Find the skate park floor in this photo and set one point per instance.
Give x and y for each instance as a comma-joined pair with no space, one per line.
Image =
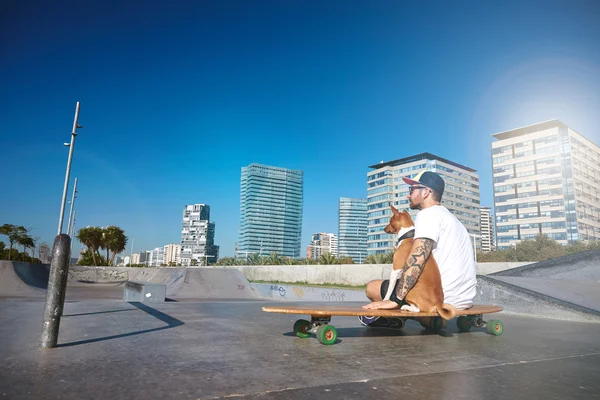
221,349
208,348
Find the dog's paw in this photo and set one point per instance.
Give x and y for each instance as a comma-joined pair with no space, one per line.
411,308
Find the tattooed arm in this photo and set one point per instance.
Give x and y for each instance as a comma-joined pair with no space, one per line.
413,268
415,263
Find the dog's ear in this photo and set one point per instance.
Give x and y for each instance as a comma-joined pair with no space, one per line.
394,210
406,212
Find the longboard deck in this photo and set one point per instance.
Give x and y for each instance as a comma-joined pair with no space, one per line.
334,311
327,334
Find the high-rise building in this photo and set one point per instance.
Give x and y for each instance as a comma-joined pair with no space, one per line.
385,187
546,181
135,258
352,229
144,257
322,243
198,236
172,254
157,256
486,221
271,201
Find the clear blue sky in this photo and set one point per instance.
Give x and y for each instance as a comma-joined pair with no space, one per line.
177,96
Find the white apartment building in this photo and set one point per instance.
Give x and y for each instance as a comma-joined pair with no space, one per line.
385,186
135,258
546,180
198,236
486,222
172,254
322,243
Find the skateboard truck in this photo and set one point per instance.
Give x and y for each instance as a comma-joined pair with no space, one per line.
326,334
493,326
315,322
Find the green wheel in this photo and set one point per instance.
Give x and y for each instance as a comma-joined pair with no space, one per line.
326,334
463,324
495,327
301,328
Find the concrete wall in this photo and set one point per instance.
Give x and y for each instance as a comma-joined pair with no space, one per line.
345,274
285,292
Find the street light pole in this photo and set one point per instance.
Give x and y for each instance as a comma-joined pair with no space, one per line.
72,230
68,173
71,211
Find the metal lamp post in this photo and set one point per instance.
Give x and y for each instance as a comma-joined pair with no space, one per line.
69,232
68,173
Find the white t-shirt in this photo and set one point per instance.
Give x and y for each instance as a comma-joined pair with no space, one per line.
453,252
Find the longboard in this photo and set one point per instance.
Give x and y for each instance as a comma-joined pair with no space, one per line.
327,334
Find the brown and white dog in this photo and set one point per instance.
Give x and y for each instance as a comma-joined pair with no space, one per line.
427,295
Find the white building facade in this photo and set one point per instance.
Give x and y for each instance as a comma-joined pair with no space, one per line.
385,186
546,181
157,257
198,236
322,243
486,221
172,254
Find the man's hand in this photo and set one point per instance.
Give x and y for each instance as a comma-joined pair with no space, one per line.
381,305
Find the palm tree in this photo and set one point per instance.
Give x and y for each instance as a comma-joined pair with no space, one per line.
113,240
327,259
385,258
253,259
91,236
273,259
13,233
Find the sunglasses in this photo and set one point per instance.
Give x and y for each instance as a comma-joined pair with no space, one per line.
410,189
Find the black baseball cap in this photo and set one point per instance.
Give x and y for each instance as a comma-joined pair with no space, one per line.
429,179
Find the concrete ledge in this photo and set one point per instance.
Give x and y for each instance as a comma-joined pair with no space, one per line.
144,292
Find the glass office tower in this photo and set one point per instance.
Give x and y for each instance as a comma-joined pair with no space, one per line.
271,201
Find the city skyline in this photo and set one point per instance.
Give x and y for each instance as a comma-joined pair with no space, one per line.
328,89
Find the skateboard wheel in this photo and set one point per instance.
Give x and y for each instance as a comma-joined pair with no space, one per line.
463,324
438,324
326,334
495,327
301,328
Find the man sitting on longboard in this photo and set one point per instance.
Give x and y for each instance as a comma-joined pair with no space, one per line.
437,232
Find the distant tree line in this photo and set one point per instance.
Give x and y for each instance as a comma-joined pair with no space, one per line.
275,259
18,236
539,249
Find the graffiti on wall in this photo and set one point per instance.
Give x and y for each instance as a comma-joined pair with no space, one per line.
278,289
333,295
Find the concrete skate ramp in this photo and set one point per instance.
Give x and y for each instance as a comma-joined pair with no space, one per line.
543,297
23,279
181,283
580,266
214,283
18,279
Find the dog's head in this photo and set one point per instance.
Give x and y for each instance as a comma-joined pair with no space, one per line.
398,221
